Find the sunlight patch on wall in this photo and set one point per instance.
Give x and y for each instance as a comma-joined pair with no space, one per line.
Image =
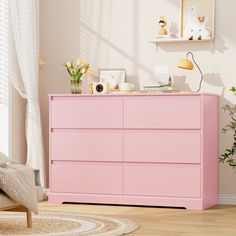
115,34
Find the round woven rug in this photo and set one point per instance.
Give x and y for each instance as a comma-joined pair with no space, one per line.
65,224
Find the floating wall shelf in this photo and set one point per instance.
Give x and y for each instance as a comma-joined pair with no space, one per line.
158,41
202,9
177,40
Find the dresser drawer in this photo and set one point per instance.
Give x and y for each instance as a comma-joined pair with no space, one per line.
69,177
86,145
162,180
164,112
86,113
169,146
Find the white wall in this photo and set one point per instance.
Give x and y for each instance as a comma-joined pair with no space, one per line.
114,34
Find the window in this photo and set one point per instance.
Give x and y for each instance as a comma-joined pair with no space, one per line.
4,76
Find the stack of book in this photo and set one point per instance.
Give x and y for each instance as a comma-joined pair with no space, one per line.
167,85
153,88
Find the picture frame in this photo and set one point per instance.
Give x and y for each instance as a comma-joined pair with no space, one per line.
205,12
114,77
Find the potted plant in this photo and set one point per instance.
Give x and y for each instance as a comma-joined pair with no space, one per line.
76,71
229,152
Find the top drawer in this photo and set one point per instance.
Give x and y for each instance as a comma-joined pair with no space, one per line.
73,112
163,112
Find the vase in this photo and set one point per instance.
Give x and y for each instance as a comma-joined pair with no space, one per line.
76,86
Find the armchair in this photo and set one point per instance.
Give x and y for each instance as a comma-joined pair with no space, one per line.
7,204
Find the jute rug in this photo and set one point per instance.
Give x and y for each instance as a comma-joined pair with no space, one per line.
65,224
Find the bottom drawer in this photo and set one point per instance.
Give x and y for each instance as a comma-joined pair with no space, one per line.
162,180
76,177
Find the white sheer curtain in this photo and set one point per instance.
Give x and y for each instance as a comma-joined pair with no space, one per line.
24,20
4,76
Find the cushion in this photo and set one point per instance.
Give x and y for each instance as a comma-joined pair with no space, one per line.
3,159
5,201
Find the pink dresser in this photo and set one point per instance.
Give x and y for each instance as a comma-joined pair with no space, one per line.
141,149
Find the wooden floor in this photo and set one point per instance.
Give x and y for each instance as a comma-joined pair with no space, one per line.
218,221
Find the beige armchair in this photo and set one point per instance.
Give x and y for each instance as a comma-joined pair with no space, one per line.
7,204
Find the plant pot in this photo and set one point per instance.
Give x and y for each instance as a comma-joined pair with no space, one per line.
76,86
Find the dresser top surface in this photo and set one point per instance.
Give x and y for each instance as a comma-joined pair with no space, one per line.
133,94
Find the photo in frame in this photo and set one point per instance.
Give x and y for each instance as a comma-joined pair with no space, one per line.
197,19
114,77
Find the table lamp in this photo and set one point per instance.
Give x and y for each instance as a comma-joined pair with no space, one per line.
188,65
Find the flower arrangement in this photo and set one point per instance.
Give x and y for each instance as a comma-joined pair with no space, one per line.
78,68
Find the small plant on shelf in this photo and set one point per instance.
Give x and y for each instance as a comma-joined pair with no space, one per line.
229,155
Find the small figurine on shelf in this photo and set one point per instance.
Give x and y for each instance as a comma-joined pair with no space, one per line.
163,24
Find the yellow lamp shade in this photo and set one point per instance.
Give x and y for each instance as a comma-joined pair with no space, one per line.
185,64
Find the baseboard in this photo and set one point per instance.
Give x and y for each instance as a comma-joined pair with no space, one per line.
222,199
227,199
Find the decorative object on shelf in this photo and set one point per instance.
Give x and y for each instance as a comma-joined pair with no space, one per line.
127,87
162,81
197,19
229,155
90,87
163,24
196,26
100,88
114,77
76,70
162,87
188,65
